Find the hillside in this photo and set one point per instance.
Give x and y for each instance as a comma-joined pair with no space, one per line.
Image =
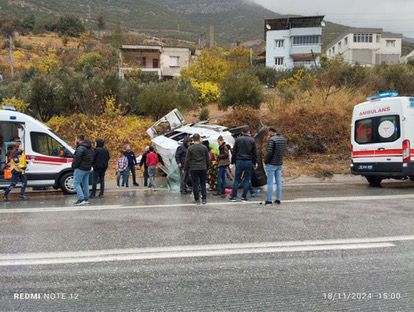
234,20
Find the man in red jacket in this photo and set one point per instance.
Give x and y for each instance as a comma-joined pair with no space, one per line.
152,163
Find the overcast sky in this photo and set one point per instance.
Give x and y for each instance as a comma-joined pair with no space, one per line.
392,15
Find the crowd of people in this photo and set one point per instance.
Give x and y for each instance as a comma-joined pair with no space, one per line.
199,165
196,160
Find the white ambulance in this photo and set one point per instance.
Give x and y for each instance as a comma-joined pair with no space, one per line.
49,157
382,135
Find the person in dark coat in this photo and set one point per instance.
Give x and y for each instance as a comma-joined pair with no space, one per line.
223,164
244,156
132,163
276,148
143,162
100,165
82,165
197,162
180,156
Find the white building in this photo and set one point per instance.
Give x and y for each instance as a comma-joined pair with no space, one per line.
293,42
367,47
167,62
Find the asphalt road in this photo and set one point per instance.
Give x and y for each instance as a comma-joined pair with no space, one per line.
328,247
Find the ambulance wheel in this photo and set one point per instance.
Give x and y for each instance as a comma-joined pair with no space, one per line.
374,181
66,183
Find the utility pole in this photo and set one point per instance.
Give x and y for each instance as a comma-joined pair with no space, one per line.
212,41
11,57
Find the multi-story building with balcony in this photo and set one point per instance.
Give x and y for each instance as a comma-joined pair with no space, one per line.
166,62
367,47
293,41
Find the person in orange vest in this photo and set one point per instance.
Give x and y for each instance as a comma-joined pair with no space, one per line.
18,164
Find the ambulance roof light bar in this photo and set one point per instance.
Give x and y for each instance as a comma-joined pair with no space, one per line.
382,95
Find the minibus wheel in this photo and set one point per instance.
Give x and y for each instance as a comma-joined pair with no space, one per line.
66,183
374,181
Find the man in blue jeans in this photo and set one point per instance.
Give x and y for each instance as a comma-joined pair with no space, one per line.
276,148
244,156
82,164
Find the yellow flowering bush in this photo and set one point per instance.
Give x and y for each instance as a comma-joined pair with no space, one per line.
19,104
207,91
115,129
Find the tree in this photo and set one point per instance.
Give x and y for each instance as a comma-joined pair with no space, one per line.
157,99
241,88
101,22
7,31
69,26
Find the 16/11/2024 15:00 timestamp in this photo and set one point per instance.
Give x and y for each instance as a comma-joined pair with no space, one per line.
349,296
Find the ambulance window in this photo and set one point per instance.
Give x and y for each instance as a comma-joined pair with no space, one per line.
44,144
363,131
388,129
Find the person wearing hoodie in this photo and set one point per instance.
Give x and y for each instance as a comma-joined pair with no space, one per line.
143,162
180,155
82,164
100,165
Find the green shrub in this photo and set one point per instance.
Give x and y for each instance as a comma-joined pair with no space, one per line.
204,114
241,88
157,99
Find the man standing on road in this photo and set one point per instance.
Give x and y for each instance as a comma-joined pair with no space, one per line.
197,162
132,162
180,156
100,165
82,164
245,158
143,162
223,163
274,161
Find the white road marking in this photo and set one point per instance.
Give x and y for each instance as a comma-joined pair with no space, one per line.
197,251
215,204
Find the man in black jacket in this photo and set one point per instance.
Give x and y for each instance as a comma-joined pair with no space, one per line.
143,162
244,156
82,164
100,165
197,162
276,148
180,156
132,162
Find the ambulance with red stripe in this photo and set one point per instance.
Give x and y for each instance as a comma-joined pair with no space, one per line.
49,157
383,138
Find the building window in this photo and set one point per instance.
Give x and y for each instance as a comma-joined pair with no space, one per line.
306,40
378,37
366,38
390,43
279,60
339,45
142,61
174,61
333,50
346,40
279,43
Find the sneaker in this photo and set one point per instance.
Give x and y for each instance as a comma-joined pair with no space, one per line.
196,202
136,184
277,202
92,196
101,195
86,202
204,201
268,203
80,203
233,199
24,197
5,197
244,199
